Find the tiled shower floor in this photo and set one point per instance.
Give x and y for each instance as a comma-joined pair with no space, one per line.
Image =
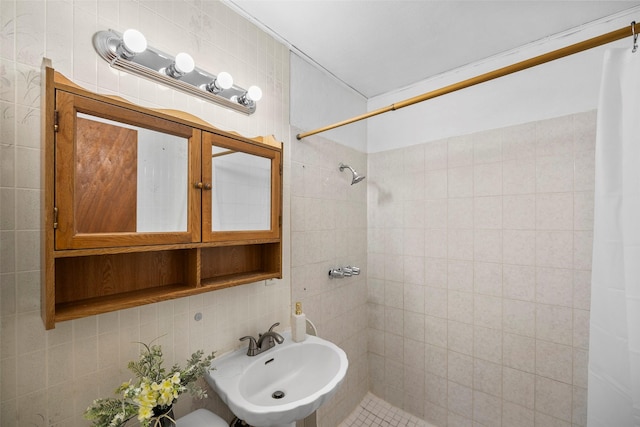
375,412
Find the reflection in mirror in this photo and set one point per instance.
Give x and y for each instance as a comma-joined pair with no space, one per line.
241,198
133,180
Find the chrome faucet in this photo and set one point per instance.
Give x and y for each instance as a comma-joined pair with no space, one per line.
265,341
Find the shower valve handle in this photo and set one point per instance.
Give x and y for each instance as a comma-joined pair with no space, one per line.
336,273
342,272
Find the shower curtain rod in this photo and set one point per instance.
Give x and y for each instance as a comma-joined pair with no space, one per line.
491,75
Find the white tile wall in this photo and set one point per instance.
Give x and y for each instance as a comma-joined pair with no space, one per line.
505,275
49,377
329,230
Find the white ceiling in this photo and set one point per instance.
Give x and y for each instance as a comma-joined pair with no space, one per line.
377,46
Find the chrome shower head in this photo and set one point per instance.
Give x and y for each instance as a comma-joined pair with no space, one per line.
356,178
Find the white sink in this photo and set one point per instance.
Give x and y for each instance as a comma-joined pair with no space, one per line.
282,385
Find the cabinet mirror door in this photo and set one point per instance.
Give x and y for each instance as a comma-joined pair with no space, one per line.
122,177
241,189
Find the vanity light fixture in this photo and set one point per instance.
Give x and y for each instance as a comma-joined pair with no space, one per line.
129,52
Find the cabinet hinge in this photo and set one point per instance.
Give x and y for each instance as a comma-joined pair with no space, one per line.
55,217
280,170
280,220
55,121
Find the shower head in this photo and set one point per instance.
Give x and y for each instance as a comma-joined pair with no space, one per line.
356,178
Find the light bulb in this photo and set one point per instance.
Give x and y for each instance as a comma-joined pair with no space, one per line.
250,97
134,41
131,44
184,63
254,93
220,83
224,80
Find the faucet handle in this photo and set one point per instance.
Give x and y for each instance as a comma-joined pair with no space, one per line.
273,326
252,350
354,270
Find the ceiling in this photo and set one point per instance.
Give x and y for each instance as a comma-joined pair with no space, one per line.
378,46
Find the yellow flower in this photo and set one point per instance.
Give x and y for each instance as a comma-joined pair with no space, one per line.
165,398
176,378
144,413
147,397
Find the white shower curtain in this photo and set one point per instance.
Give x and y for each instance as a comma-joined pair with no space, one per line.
614,348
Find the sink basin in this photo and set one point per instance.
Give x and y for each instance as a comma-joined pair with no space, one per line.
282,385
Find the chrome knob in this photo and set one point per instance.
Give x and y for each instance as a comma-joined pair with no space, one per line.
336,273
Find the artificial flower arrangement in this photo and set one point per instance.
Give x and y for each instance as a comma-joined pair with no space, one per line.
151,396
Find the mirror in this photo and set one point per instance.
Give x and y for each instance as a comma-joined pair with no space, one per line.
241,191
127,178
135,178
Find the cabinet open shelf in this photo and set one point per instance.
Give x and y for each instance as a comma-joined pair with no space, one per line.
95,283
96,276
104,304
220,262
230,280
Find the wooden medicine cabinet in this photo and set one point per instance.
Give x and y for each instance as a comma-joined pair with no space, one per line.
144,205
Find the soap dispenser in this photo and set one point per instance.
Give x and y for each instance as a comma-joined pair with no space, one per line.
298,324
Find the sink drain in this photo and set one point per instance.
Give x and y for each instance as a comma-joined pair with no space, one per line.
278,394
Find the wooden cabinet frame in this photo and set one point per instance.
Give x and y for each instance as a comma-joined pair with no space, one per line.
66,234
211,139
92,273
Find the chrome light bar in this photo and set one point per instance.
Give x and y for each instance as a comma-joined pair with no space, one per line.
153,64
